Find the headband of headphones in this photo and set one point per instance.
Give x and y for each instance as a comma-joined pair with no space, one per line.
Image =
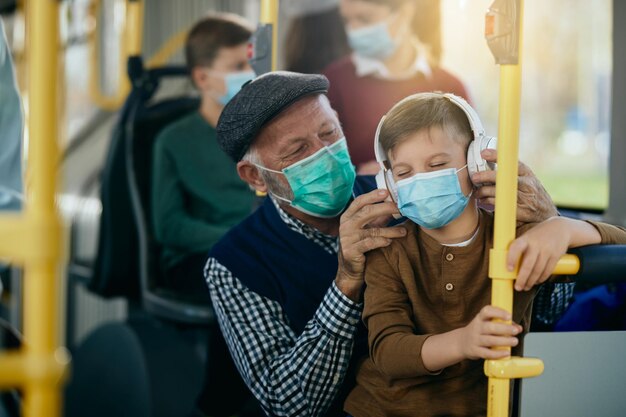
474,121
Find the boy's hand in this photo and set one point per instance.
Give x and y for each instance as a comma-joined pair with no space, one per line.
540,249
481,334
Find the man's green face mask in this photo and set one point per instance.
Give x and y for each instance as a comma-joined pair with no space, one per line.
321,183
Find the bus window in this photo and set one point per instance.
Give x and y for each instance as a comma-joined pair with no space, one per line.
566,89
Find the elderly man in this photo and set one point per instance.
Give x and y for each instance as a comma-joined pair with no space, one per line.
286,283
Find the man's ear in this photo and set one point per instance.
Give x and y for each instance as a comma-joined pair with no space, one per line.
251,175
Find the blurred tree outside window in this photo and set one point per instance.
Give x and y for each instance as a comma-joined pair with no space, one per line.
566,89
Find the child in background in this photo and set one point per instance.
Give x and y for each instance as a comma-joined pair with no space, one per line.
427,295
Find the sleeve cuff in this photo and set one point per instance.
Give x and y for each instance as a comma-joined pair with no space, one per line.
609,234
338,315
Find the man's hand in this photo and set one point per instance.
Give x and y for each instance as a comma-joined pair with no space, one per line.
361,230
533,202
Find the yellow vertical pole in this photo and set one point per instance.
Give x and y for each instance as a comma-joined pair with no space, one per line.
500,372
505,214
41,321
269,15
130,44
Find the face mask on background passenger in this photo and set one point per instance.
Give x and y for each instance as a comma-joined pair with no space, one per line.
374,41
432,199
233,82
321,183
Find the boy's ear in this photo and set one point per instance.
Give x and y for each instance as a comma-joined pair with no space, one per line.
200,77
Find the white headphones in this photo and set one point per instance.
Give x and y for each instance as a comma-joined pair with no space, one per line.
475,163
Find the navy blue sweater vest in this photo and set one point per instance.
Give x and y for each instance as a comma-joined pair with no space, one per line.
280,264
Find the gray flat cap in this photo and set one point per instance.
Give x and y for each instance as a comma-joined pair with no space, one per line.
258,102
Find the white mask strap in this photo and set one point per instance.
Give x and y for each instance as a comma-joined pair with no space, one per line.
267,169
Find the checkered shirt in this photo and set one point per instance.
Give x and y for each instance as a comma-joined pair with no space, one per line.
290,374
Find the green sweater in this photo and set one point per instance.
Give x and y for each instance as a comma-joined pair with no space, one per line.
197,195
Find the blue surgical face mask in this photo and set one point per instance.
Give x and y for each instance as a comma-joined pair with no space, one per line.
321,183
372,41
234,81
432,199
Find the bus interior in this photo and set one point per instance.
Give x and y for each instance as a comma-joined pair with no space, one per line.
132,347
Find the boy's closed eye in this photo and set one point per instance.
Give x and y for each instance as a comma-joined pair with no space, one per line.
438,165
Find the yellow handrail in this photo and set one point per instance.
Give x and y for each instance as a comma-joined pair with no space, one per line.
130,44
169,48
269,15
500,372
33,238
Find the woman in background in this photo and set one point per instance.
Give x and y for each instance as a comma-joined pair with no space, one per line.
389,61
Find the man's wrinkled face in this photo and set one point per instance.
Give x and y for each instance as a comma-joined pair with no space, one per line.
298,132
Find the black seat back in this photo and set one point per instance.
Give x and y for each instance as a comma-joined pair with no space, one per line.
116,270
118,267
147,123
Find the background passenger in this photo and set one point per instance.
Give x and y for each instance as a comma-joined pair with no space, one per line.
196,193
10,131
388,63
315,36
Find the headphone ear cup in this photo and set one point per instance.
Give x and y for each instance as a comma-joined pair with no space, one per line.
380,180
475,162
391,186
384,181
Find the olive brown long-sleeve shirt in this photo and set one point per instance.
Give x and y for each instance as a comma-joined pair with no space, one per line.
415,288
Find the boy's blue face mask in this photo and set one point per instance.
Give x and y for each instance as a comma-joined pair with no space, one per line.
432,199
372,41
234,81
321,183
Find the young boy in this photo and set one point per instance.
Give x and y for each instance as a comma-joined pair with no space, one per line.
427,295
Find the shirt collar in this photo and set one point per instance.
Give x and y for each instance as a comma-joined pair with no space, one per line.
327,242
369,66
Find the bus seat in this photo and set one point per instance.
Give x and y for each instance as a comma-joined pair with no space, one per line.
128,254
583,376
116,268
142,368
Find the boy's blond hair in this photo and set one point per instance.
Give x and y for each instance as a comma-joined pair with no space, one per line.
423,111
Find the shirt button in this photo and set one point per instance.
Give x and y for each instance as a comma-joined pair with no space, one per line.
449,257
449,286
